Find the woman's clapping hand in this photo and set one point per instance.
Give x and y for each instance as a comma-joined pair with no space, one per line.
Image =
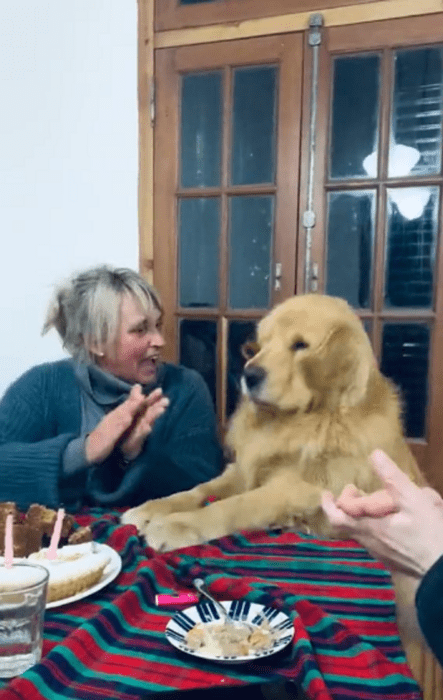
132,421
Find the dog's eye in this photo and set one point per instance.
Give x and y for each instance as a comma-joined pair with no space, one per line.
299,345
249,349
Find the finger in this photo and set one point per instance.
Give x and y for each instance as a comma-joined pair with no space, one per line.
433,496
143,426
136,391
350,491
335,515
397,483
160,404
154,396
149,417
350,499
135,400
377,504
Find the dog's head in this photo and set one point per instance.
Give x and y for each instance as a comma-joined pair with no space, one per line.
311,352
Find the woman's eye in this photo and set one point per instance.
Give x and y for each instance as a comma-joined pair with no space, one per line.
299,345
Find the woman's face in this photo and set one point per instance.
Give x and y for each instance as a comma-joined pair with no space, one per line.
135,356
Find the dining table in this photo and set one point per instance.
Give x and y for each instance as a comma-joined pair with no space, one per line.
112,645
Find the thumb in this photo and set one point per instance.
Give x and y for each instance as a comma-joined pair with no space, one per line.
136,391
135,399
397,483
335,515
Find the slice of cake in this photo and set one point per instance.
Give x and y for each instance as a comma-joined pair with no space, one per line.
44,519
76,568
26,539
82,534
8,508
33,529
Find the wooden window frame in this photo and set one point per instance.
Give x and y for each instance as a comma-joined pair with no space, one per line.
170,64
169,14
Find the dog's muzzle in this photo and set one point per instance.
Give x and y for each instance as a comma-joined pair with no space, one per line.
253,378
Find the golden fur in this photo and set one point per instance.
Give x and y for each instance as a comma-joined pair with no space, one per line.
316,407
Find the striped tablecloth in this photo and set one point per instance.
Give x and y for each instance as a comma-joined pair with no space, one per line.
111,645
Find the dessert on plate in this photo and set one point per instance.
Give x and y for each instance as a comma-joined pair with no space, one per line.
76,568
32,530
78,563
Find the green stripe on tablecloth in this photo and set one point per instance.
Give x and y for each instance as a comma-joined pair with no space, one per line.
226,671
386,681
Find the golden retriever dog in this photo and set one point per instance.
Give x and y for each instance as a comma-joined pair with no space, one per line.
314,407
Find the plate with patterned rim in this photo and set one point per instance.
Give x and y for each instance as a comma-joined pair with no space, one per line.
110,572
205,613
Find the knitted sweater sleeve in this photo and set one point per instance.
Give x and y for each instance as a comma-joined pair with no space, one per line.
33,437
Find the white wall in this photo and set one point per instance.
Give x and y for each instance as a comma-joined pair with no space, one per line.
68,158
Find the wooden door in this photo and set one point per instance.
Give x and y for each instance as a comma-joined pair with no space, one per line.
227,143
377,238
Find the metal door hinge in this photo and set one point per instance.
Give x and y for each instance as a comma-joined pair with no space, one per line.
314,277
277,276
152,101
308,219
315,26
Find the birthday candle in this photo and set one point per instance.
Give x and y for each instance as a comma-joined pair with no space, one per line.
9,552
52,549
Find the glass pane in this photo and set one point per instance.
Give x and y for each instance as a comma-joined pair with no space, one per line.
254,120
351,224
367,325
239,332
198,349
199,226
250,240
410,247
201,130
417,113
355,107
405,356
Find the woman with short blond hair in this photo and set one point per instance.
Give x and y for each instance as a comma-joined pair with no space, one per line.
112,425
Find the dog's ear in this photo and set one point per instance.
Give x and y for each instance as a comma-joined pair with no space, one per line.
340,369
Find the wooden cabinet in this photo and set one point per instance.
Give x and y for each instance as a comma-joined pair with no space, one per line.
231,163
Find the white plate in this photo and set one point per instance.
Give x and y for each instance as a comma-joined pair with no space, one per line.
241,610
112,569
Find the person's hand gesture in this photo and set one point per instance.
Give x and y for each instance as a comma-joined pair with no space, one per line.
135,416
155,404
401,525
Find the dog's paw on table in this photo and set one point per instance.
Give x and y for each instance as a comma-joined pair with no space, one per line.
171,532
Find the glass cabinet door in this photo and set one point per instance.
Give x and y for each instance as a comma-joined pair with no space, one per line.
382,109
228,131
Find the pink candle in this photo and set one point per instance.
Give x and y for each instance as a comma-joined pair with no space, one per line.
9,550
52,549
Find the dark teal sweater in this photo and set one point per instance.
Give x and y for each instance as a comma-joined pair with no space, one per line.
429,602
40,414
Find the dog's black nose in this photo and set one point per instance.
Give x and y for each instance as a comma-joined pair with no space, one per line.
253,376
